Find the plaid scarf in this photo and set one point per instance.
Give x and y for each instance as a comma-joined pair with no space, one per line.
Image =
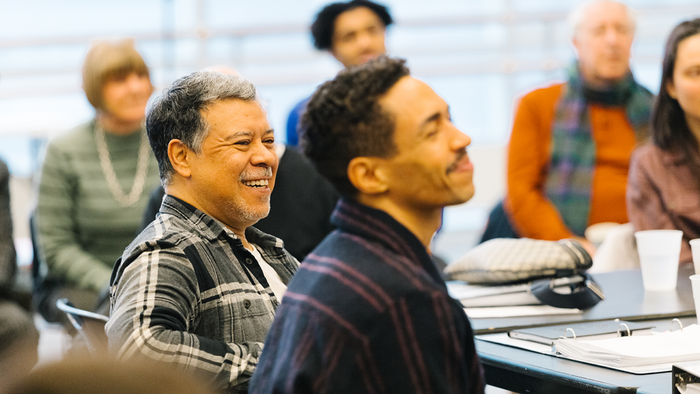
573,156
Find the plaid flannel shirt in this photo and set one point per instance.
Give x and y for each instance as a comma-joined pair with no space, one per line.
187,292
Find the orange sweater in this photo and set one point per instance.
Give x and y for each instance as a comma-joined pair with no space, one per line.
531,212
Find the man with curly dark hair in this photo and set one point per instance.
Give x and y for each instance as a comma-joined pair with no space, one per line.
354,33
368,311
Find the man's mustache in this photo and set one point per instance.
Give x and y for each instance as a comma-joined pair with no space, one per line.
460,156
256,173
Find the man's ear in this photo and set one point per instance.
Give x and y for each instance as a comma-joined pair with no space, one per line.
367,175
575,44
180,155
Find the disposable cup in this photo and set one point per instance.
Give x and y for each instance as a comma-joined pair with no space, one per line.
659,251
695,247
695,280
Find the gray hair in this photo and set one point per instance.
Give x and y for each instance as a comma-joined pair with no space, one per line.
177,113
577,16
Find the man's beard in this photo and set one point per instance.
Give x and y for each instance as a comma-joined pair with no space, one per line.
239,206
241,209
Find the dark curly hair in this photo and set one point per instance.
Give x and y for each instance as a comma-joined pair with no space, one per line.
670,130
344,120
324,25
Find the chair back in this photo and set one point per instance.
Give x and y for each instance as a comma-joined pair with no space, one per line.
89,324
39,270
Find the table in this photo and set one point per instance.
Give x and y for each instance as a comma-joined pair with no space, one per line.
625,298
523,371
529,372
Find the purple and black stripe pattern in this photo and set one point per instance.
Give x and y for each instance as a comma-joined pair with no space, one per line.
368,312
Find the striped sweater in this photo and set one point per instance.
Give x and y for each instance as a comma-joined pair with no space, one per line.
368,312
82,229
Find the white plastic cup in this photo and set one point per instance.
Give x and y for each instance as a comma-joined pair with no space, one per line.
695,280
659,252
695,247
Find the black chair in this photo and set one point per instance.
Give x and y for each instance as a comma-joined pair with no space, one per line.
89,324
498,225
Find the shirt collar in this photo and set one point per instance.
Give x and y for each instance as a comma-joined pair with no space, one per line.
210,228
378,226
671,157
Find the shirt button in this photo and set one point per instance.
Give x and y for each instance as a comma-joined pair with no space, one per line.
249,261
246,304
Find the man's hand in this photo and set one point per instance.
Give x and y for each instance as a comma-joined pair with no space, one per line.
588,245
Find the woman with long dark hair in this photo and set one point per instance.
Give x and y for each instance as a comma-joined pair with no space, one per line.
663,190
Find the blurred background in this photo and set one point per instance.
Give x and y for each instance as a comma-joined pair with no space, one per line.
479,55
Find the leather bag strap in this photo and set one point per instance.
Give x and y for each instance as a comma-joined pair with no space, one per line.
584,294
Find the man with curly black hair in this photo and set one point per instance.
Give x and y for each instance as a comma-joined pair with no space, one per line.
354,33
368,311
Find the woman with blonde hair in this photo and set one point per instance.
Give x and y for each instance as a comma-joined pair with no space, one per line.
95,181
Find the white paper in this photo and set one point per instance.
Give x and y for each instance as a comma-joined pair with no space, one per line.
518,311
460,290
692,368
669,347
504,339
693,388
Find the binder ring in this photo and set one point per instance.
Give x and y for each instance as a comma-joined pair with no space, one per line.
572,332
628,330
676,321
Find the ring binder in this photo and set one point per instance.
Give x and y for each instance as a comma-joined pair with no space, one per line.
581,331
626,326
619,334
637,353
683,375
676,321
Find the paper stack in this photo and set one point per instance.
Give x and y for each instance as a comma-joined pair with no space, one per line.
623,352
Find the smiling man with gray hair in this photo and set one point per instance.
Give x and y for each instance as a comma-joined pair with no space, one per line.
198,288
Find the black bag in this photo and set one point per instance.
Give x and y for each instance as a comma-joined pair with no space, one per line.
503,260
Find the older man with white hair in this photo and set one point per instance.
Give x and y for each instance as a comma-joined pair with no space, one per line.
571,142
